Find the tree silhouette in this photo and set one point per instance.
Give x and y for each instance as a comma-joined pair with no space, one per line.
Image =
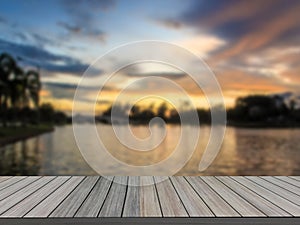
7,66
17,87
34,86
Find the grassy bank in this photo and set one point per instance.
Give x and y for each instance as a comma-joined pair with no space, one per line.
12,134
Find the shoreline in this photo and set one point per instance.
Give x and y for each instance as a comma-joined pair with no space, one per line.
250,125
9,135
263,125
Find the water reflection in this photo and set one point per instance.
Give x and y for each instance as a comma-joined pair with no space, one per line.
244,152
21,158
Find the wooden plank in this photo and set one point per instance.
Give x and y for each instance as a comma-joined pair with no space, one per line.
176,196
93,203
295,177
259,202
219,207
71,204
277,190
289,180
236,201
132,207
11,181
170,202
45,207
141,198
13,199
6,192
28,203
194,205
4,178
288,206
114,202
149,202
282,184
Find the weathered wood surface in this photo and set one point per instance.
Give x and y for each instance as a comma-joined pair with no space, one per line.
121,196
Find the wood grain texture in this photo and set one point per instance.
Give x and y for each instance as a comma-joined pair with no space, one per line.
45,207
71,204
113,205
149,203
4,178
283,184
32,200
194,205
170,202
217,204
277,190
9,182
295,177
258,201
93,203
236,201
122,196
4,193
132,206
277,200
289,180
22,193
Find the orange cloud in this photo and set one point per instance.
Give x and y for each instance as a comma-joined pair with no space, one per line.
263,35
240,81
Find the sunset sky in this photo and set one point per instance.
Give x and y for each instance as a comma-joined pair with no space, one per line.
251,46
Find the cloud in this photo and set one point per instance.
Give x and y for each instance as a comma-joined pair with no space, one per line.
70,28
169,23
84,31
34,38
232,19
2,20
21,36
73,86
65,90
170,75
85,8
259,50
41,40
202,44
83,15
247,82
104,102
61,85
36,56
245,25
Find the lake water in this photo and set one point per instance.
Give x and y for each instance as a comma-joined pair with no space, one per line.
244,152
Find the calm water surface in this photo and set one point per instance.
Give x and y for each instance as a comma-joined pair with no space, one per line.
244,152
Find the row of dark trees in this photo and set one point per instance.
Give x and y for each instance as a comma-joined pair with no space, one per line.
269,110
260,110
142,115
20,95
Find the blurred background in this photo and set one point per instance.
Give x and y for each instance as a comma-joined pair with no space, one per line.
252,47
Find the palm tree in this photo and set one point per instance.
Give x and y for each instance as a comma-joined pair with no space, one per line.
34,86
7,66
18,89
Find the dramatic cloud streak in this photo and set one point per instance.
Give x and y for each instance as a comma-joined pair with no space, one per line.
36,56
260,41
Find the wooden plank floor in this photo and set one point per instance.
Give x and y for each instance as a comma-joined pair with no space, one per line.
93,196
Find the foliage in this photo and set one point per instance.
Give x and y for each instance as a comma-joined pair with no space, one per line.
20,96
